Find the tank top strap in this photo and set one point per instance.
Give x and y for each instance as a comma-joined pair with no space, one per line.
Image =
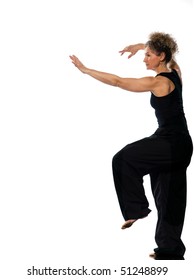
173,76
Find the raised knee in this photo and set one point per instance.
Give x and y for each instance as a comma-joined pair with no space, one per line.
116,159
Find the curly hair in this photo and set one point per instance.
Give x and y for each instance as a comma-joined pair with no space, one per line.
162,42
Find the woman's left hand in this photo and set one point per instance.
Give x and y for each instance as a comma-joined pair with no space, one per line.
78,63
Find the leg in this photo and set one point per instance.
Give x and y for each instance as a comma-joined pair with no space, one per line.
129,186
130,192
129,166
169,191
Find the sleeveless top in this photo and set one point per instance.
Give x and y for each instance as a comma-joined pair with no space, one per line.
169,108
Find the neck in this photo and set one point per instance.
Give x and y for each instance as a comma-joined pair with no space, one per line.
162,68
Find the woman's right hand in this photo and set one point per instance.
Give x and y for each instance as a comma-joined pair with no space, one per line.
133,49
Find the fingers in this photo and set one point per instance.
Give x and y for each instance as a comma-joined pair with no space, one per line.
77,63
74,59
122,52
127,49
129,56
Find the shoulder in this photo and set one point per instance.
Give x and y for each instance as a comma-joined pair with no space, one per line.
150,82
163,86
160,80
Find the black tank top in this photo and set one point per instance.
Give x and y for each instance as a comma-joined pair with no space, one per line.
169,109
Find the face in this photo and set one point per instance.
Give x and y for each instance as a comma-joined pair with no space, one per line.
151,59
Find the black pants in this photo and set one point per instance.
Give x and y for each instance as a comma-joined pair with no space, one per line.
165,157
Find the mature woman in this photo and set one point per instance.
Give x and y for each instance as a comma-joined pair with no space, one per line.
165,155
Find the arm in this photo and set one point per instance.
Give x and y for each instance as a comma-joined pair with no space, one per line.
130,84
174,65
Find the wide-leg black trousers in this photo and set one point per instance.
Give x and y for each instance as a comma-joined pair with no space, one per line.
165,156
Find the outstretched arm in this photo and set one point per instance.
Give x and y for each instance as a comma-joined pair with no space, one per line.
130,84
103,77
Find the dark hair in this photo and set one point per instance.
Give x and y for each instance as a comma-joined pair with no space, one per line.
162,42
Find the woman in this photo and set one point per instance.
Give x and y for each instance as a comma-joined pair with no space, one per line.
165,155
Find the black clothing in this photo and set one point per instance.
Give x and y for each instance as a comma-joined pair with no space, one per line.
165,156
169,107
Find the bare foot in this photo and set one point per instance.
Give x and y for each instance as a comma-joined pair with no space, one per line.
128,224
152,255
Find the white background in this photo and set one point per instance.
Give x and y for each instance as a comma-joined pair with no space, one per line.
59,130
